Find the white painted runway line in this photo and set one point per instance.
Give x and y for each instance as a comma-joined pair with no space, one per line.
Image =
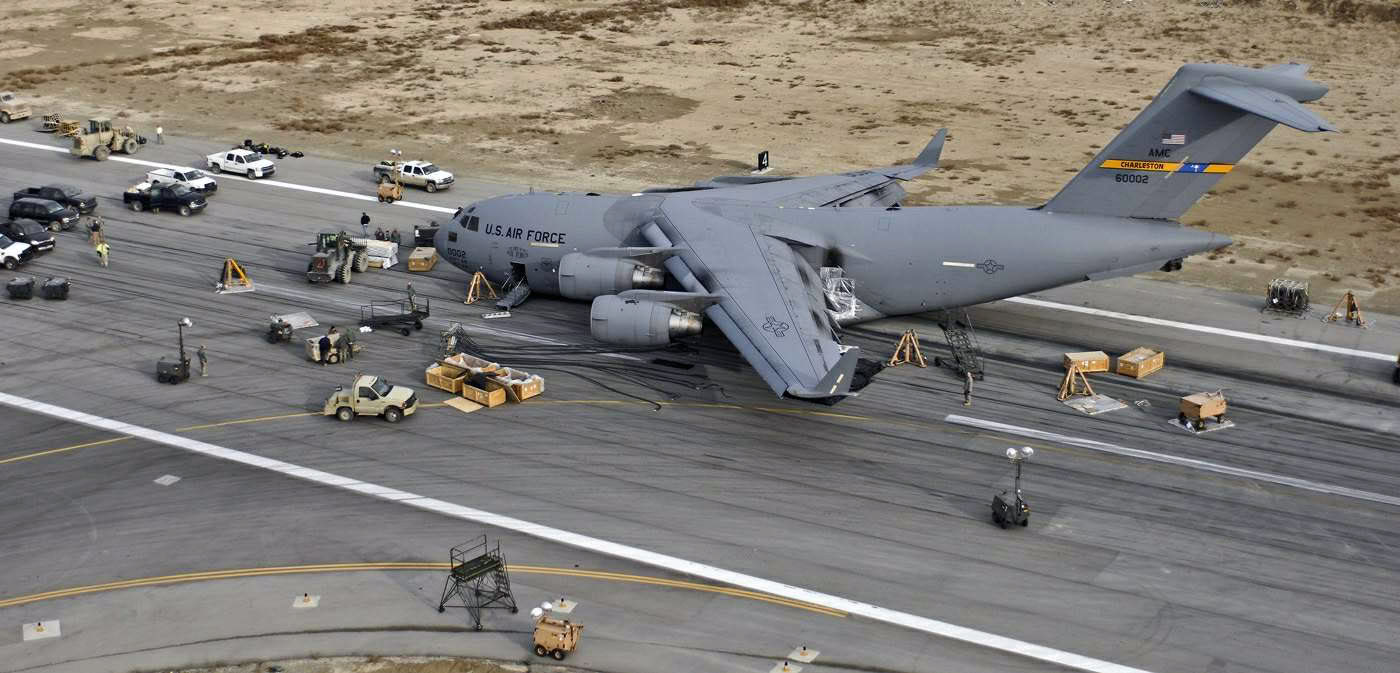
1219,331
1174,460
654,559
226,176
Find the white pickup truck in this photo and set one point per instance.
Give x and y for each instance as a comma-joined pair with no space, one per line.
193,178
417,173
243,162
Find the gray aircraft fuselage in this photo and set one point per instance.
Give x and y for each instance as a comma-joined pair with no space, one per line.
904,260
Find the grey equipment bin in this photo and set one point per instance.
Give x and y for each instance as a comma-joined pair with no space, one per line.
20,287
56,287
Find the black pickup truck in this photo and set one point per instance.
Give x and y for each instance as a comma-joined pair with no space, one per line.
177,197
67,195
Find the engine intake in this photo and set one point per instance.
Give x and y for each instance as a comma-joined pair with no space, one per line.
638,322
583,276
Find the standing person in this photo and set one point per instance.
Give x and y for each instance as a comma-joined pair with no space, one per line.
364,223
967,389
394,236
95,229
160,136
324,345
103,251
203,361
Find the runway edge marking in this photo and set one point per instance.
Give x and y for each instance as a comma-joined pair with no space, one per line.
1174,460
1221,331
224,176
654,559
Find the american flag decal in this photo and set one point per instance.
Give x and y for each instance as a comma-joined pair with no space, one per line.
1173,138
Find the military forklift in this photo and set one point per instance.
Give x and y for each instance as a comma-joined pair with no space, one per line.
337,258
99,140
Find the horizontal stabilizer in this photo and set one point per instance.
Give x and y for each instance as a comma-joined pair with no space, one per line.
1266,103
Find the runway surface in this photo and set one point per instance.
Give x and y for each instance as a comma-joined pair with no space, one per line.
1147,564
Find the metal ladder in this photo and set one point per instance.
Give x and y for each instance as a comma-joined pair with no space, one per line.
962,345
516,290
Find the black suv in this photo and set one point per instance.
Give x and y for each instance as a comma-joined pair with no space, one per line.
28,231
51,213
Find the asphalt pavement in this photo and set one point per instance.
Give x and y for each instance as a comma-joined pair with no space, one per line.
1153,565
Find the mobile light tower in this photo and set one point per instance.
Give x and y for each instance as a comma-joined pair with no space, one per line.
175,372
1008,510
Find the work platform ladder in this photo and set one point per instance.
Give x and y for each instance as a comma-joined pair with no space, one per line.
478,580
962,345
516,290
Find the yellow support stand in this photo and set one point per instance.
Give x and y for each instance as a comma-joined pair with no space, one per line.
1353,311
475,290
1075,384
233,280
908,351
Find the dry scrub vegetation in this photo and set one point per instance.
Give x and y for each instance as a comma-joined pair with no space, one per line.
614,95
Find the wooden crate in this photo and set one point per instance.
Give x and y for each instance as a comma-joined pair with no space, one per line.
1203,405
445,377
1140,362
422,259
521,385
486,398
1088,361
471,363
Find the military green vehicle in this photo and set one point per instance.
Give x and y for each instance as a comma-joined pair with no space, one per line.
337,257
12,107
99,140
371,396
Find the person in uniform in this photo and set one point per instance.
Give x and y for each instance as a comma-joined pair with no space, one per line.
203,360
967,389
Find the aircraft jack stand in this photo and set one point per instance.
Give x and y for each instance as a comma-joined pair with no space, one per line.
233,280
1076,384
908,351
1353,311
475,290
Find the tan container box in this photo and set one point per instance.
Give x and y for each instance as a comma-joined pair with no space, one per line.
1088,361
1140,362
1203,405
521,385
486,398
446,377
471,363
422,259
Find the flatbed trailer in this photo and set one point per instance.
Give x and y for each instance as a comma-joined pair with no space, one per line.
400,314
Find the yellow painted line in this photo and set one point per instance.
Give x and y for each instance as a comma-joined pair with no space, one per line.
66,448
409,565
241,421
434,405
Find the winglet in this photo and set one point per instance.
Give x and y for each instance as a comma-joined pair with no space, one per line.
836,383
929,157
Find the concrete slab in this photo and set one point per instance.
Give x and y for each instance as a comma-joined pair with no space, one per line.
41,630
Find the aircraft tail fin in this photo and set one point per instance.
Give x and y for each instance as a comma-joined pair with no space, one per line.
1192,134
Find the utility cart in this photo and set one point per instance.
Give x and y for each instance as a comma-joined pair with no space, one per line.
400,314
554,637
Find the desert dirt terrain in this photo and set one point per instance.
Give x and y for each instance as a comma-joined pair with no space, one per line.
383,665
622,95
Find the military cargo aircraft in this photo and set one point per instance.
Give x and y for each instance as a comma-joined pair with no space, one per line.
778,264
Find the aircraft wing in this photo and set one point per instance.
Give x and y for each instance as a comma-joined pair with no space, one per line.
770,306
875,186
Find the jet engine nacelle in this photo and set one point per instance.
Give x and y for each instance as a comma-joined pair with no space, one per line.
582,276
638,322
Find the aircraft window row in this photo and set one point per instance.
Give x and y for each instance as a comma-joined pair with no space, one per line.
473,222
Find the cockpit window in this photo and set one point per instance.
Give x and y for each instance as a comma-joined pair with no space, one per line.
473,222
